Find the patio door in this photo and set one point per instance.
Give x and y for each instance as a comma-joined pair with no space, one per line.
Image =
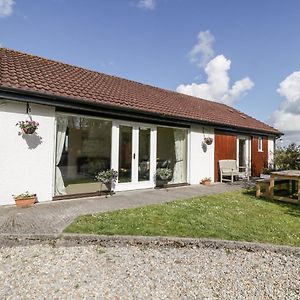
244,155
135,156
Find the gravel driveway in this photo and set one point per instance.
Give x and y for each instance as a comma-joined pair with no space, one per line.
92,272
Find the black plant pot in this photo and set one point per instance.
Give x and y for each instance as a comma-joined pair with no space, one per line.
162,183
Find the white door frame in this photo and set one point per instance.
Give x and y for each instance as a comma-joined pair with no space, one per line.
134,184
247,154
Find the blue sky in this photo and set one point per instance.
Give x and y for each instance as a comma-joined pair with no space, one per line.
150,40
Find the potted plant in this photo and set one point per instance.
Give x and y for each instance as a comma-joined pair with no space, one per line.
108,178
163,176
208,140
28,126
25,199
206,181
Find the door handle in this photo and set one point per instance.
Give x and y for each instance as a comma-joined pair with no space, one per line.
133,155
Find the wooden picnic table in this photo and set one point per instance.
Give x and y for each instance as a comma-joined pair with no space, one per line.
293,175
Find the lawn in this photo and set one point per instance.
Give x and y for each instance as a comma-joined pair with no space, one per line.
237,216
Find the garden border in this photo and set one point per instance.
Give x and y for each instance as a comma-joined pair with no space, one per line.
69,240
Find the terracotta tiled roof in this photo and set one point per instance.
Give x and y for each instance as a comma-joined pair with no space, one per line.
32,73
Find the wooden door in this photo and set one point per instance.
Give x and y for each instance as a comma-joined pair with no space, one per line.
225,148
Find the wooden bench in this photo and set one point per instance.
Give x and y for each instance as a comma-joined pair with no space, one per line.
266,184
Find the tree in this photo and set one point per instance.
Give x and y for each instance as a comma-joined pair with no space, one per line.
288,157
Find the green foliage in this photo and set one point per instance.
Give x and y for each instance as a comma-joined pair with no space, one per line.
232,216
288,157
107,176
164,173
24,195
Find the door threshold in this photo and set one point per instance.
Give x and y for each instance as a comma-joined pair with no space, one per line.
82,195
172,185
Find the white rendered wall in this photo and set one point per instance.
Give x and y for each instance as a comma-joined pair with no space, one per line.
25,163
271,149
201,156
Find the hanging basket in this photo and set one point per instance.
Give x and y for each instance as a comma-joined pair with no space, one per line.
28,126
208,140
30,130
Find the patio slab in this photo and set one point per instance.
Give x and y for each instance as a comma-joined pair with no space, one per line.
53,217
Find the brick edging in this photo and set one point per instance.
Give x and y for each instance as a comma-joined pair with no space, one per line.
67,240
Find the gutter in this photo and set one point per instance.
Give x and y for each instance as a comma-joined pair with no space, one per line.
68,104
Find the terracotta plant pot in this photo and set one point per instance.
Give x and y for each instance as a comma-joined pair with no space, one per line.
25,202
206,182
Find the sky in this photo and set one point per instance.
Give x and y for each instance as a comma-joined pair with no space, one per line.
242,53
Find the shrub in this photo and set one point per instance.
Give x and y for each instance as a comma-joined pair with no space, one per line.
287,157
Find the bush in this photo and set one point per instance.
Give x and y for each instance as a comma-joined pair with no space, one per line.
288,157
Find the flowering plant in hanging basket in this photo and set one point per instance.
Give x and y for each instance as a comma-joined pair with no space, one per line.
208,140
28,126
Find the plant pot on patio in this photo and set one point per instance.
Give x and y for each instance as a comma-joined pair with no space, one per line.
163,176
206,181
25,200
107,178
161,183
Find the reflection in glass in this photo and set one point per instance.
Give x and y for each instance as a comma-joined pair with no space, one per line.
144,154
125,154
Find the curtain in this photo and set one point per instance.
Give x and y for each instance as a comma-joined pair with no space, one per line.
180,149
62,123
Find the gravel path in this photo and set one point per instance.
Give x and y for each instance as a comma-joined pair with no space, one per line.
92,272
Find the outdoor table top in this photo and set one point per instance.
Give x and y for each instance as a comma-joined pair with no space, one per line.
290,173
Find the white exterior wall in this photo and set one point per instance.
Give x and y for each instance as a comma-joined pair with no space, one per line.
271,149
21,168
201,156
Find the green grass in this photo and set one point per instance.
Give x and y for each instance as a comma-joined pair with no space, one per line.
235,216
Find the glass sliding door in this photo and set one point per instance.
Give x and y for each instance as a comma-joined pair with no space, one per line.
125,154
83,148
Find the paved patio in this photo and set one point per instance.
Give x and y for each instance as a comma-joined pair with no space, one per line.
53,217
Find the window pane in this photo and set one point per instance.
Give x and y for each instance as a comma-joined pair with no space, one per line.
125,154
83,149
144,154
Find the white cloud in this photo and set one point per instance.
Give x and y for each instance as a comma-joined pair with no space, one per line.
147,4
6,7
202,52
287,117
217,87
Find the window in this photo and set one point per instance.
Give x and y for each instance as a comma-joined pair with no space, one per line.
172,152
260,144
83,149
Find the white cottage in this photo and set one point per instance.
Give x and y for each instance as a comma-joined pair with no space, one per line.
91,121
